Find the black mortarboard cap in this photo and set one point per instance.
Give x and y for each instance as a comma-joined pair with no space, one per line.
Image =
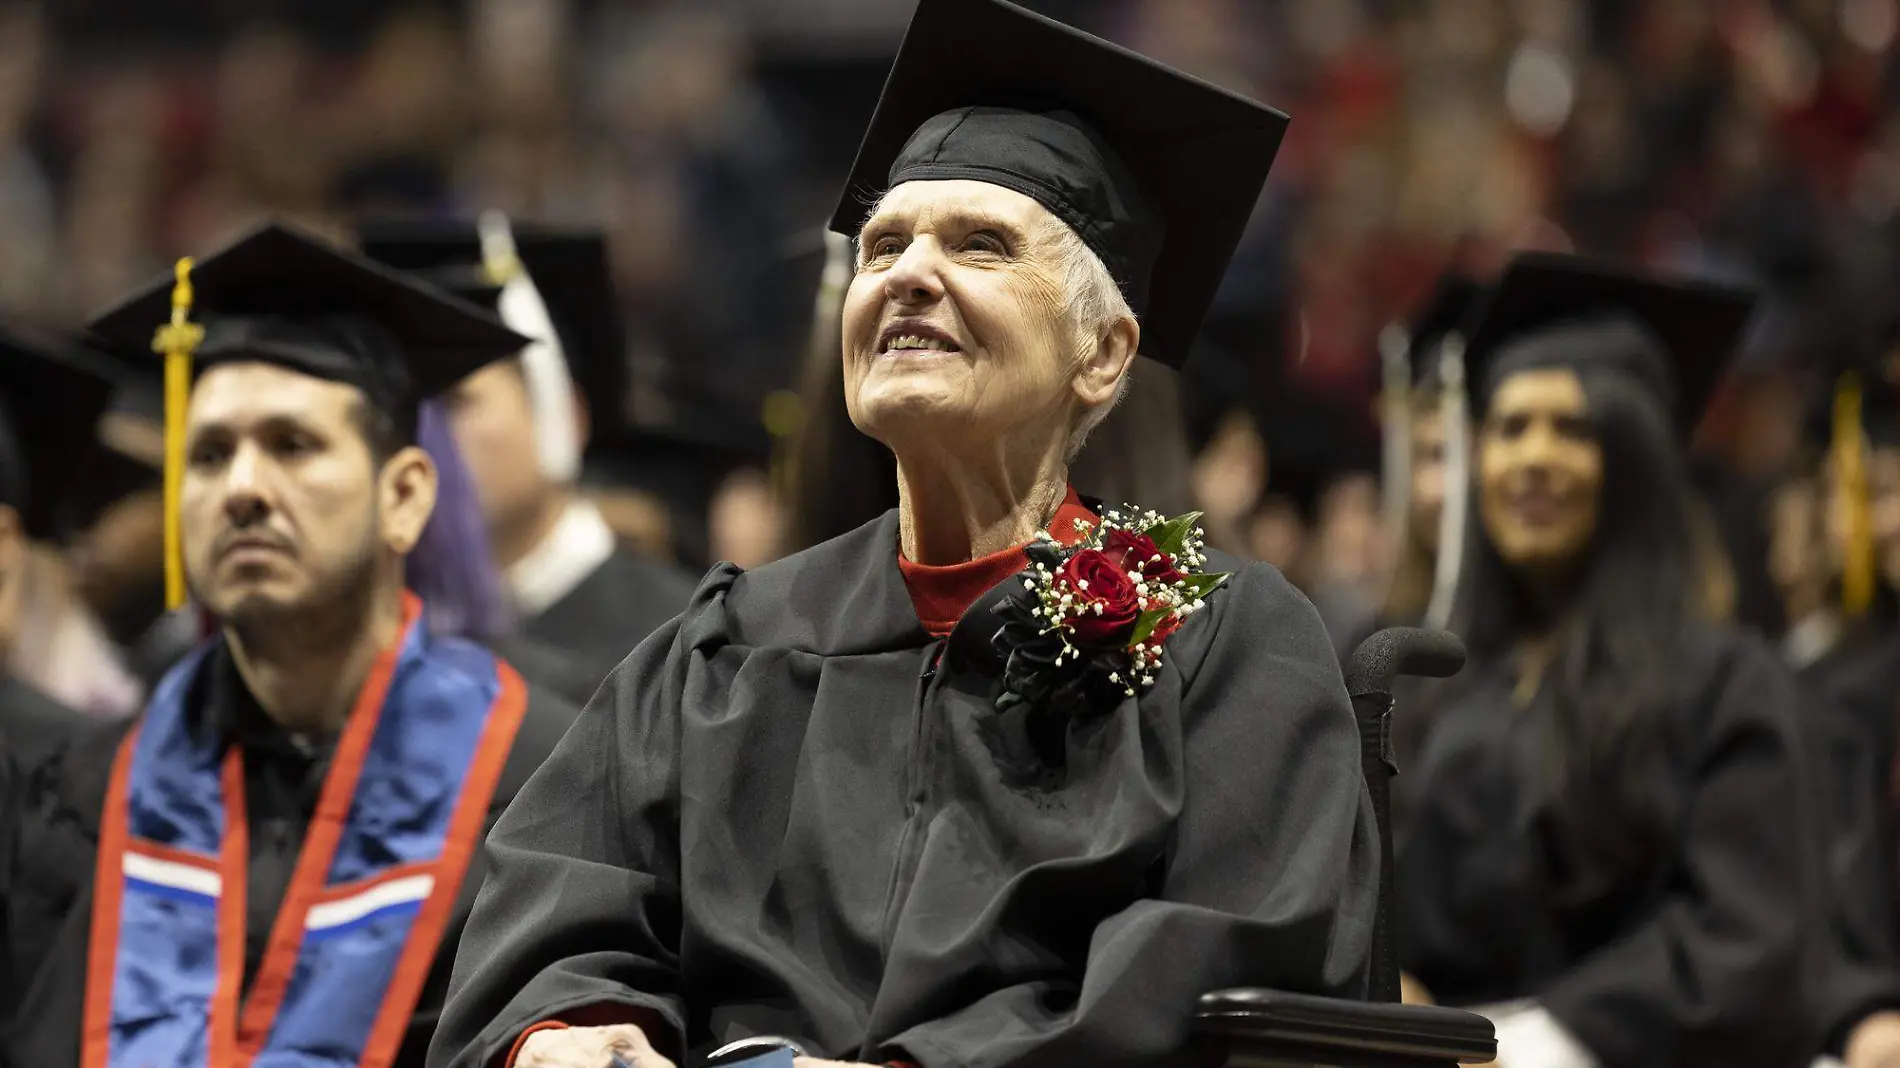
1444,312
52,393
282,296
1157,171
1676,337
570,271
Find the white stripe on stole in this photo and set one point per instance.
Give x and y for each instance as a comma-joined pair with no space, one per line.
171,875
404,891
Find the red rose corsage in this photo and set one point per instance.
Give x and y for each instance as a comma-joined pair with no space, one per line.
1092,626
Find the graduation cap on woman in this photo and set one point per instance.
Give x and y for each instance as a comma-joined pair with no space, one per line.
281,296
1673,337
52,393
1155,170
551,284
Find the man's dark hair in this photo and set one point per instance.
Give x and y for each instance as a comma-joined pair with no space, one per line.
382,432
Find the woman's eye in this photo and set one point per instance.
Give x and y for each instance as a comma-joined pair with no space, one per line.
886,247
1575,428
1509,426
986,241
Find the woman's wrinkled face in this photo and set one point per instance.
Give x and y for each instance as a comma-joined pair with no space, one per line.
955,329
1540,471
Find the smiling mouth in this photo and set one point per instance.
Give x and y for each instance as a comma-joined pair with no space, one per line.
1538,508
914,338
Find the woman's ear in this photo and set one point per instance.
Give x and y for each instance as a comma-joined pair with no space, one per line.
407,488
1100,375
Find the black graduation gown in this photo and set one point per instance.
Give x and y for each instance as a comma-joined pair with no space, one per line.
784,815
33,724
1854,719
1689,953
51,910
620,602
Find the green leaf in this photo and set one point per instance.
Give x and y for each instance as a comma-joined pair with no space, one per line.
1171,535
1204,584
1145,624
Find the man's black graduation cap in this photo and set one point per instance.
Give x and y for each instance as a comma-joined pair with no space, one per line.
1556,310
1157,171
1445,311
51,396
282,296
570,271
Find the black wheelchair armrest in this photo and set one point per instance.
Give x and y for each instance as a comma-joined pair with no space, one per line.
1272,1027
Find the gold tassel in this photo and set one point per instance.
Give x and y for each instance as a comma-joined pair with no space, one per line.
1850,472
177,341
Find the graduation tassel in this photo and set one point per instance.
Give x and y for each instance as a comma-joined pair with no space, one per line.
1850,471
1451,518
177,341
543,364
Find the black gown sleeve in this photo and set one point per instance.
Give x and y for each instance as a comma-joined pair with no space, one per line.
1271,878
576,915
1857,972
1712,975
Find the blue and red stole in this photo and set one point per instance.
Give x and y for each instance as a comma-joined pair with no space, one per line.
403,807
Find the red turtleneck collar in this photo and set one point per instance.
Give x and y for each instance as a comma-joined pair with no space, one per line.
941,594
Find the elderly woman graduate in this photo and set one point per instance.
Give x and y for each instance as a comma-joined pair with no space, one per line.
1002,777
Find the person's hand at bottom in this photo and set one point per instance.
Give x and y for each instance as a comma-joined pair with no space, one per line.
1875,1042
589,1047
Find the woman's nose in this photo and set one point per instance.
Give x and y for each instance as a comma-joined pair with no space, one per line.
916,277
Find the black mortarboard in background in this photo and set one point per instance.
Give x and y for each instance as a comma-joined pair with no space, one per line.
570,271
1554,310
683,464
1156,170
1444,313
278,295
51,395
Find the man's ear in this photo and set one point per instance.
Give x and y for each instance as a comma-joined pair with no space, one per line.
406,491
1100,375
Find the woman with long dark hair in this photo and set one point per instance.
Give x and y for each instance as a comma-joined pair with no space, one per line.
1610,850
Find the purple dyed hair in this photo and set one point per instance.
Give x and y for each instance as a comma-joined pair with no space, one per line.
451,568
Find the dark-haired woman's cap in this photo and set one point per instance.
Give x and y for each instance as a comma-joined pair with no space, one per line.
1675,337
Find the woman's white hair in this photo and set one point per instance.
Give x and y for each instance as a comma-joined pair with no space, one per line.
1095,303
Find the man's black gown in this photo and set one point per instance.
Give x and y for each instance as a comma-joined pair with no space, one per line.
784,815
598,622
51,873
1680,945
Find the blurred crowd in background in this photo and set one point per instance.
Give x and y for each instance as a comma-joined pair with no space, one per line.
1756,140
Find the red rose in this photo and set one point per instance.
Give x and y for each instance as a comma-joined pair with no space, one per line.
1105,600
1138,552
